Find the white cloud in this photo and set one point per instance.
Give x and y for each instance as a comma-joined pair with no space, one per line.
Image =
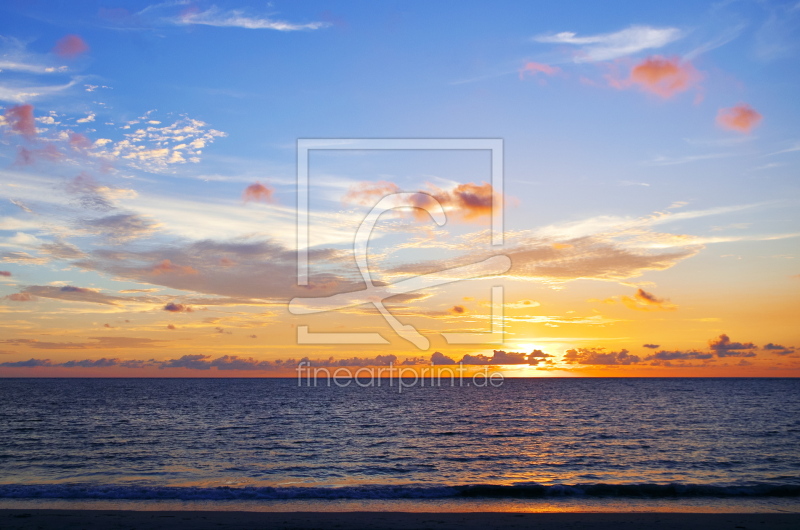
609,46
237,19
25,93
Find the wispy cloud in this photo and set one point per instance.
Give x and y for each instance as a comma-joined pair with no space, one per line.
533,68
608,46
235,18
676,161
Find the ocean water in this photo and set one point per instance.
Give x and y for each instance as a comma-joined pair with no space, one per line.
528,442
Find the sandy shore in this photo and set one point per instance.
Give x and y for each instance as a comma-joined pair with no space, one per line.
113,519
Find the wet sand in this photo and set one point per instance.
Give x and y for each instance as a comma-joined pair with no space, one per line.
192,520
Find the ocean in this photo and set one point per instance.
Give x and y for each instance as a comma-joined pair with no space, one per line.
528,444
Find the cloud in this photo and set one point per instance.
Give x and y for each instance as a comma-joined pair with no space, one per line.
167,267
23,258
213,16
465,202
258,192
644,301
27,157
170,326
62,250
193,362
172,307
595,257
662,76
651,346
156,149
70,46
98,343
120,228
532,68
72,294
86,363
30,363
20,119
523,304
458,310
502,357
21,297
469,200
378,360
725,348
369,193
741,118
780,350
609,46
5,273
440,359
664,355
598,356
538,356
96,196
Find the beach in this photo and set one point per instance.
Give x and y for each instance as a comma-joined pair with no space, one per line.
13,519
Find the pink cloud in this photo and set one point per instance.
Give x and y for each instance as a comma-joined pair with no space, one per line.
662,76
70,46
27,157
21,297
369,193
533,68
258,192
167,267
740,118
20,118
468,202
79,142
5,273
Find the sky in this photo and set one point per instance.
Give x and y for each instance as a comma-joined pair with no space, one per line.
643,161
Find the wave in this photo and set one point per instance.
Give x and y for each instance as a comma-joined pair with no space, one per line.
389,492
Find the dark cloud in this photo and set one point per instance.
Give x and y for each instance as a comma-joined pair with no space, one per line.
725,348
30,363
62,250
651,346
664,355
193,362
5,273
598,356
120,228
261,271
780,350
91,194
439,359
172,307
98,363
476,360
72,294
